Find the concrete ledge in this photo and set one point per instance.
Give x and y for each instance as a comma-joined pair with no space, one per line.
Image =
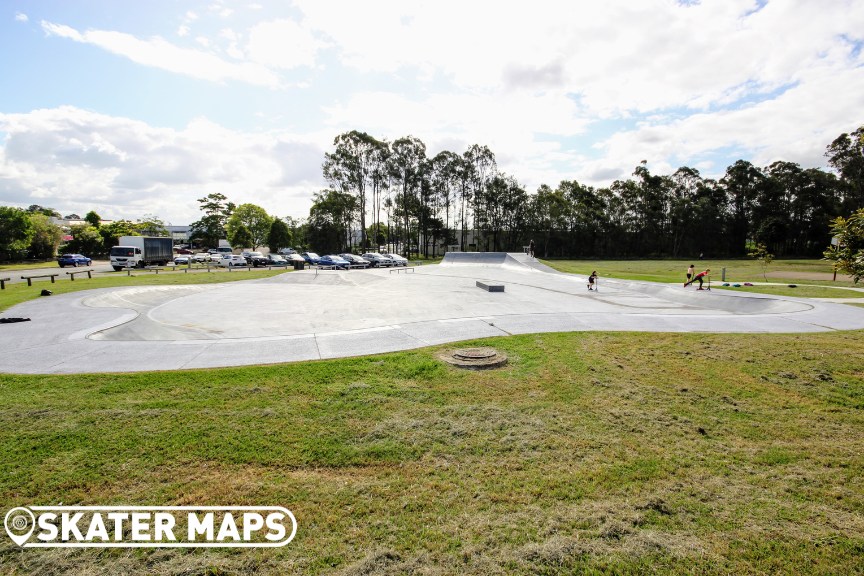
490,287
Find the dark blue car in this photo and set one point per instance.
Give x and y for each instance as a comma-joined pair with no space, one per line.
311,257
73,260
332,260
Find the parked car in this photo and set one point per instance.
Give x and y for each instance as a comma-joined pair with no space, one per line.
249,255
269,260
397,259
202,257
311,257
232,260
229,260
334,260
182,260
74,260
377,260
355,260
291,258
182,250
287,251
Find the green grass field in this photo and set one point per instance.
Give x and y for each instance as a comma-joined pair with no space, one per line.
602,453
800,291
20,292
589,453
808,275
27,266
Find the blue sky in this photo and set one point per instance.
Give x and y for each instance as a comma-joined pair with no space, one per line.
141,108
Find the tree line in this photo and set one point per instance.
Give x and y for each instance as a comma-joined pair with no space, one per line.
31,233
391,193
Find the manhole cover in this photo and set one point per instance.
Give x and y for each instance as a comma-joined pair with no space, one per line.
475,358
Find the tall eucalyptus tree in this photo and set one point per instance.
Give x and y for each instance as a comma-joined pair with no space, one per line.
742,183
351,166
480,167
444,177
407,162
846,155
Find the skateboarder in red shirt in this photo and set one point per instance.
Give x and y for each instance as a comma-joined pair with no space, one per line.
698,277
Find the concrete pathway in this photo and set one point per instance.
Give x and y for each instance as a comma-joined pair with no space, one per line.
327,314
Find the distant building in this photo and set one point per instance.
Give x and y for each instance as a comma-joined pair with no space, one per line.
67,223
180,234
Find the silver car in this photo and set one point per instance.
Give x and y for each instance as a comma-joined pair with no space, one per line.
397,259
356,260
378,260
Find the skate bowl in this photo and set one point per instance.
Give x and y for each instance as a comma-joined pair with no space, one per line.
719,299
309,315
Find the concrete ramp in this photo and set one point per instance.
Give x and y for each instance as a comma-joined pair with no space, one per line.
716,299
474,258
511,260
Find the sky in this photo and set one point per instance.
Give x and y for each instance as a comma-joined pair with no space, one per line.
137,109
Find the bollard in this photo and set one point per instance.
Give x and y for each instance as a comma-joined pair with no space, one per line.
723,274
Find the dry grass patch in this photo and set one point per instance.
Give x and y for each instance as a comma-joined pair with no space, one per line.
592,453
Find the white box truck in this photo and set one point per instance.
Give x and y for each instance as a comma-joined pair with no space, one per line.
140,251
224,248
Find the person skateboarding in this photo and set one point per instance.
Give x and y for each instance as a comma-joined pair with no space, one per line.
592,280
698,277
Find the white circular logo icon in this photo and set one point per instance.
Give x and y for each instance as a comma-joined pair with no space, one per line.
19,523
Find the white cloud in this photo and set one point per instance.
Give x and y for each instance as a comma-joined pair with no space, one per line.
773,81
694,83
618,55
501,121
795,126
221,10
159,53
75,160
21,17
282,44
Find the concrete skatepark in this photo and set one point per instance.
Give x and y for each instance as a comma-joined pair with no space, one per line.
310,315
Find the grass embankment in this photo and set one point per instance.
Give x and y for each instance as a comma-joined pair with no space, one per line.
596,453
27,266
800,291
812,277
20,292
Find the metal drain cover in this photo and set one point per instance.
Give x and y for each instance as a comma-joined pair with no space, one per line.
475,358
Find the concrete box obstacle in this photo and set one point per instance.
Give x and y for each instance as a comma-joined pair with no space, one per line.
490,287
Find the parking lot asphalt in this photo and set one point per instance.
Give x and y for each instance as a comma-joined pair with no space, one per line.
309,315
